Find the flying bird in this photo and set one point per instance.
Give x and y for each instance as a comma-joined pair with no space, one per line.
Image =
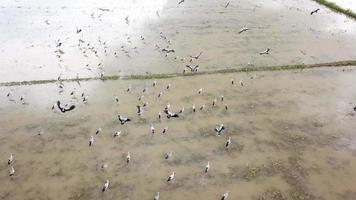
196,56
123,120
168,50
265,51
314,11
181,1
193,69
243,30
228,3
219,129
65,108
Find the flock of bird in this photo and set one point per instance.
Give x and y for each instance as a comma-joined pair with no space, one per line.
87,47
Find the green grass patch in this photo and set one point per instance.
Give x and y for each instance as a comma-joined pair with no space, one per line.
337,8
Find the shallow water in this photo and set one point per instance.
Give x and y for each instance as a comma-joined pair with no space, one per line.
32,29
348,4
292,138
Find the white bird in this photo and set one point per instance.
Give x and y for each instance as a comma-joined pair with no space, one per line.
128,89
98,131
165,130
181,110
207,167
160,94
214,102
168,155
123,120
168,86
202,107
156,197
193,107
152,129
228,143
241,83
11,158
106,186
12,171
128,158
117,134
144,90
91,141
154,83
222,98
117,99
200,91
171,177
225,195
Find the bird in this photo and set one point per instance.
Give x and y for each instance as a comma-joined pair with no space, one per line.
22,98
106,186
232,81
181,1
123,120
193,68
200,91
66,108
127,20
202,107
243,30
98,131
168,50
128,158
314,11
116,134
241,83
171,114
222,98
154,83
160,94
128,89
181,110
79,30
228,3
168,155
12,171
117,99
171,177
165,130
265,51
214,102
159,115
207,167
144,90
168,86
156,197
91,141
193,107
228,143
8,94
145,104
11,158
225,195
226,108
152,129
196,56
139,110
219,129
355,108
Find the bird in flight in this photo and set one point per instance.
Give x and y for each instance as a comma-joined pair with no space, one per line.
314,11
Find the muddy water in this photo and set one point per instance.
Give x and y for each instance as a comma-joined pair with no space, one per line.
31,31
292,138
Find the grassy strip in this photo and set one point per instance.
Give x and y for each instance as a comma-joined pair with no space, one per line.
337,8
172,75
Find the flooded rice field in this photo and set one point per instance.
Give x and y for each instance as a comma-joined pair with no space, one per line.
292,138
45,39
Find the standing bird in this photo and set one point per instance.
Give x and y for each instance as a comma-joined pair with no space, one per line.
168,86
225,195
314,11
128,158
8,94
355,108
228,143
265,51
165,130
226,108
152,129
171,177
219,129
200,91
207,167
222,98
139,110
193,107
98,131
168,155
232,81
117,99
91,141
181,110
12,171
159,115
154,83
116,134
241,83
156,197
214,102
11,159
106,186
